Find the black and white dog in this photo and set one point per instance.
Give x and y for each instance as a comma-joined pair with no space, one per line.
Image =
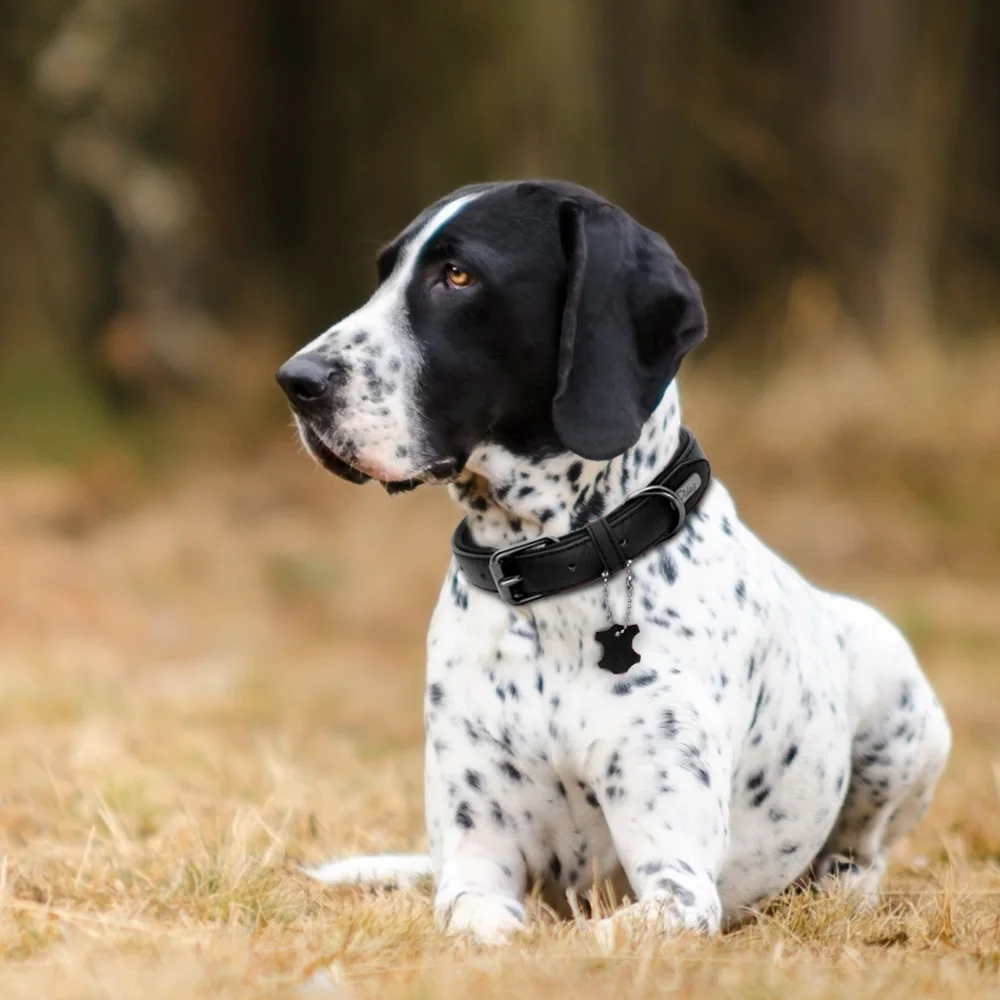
522,346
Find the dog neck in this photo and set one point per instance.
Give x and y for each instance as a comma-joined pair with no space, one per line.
509,498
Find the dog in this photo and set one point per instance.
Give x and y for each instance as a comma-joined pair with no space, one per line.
522,347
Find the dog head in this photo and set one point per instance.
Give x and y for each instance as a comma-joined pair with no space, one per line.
533,315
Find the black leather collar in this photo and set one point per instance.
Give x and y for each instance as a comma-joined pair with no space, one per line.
545,566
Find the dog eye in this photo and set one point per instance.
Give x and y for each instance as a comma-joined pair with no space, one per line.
456,277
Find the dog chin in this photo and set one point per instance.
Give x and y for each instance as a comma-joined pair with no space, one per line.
327,458
359,472
435,474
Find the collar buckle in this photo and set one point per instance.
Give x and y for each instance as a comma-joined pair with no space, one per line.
505,584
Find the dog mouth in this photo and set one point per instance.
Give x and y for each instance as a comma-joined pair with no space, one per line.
328,458
350,469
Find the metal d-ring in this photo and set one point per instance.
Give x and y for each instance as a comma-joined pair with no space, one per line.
671,497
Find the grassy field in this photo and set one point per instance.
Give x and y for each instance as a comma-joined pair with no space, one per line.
208,678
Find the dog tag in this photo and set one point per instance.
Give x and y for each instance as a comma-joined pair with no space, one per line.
618,654
616,640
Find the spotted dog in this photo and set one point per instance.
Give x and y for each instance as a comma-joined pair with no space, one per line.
521,347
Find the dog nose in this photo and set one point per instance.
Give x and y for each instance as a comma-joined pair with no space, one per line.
304,378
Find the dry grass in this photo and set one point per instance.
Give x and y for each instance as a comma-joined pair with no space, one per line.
207,680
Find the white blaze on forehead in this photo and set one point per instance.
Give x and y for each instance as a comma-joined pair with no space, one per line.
444,214
388,298
377,316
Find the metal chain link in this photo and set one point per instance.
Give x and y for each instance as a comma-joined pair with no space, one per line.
628,597
607,602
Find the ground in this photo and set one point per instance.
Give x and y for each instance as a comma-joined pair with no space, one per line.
212,673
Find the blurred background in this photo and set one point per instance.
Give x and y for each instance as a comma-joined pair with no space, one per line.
191,191
181,181
209,650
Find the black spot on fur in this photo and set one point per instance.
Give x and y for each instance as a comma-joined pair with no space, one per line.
668,724
459,595
508,770
692,762
757,707
591,508
683,896
668,568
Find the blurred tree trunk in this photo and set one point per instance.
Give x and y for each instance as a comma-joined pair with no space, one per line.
919,206
724,148
223,102
132,286
24,329
784,139
498,90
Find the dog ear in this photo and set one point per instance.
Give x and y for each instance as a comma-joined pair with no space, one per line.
632,312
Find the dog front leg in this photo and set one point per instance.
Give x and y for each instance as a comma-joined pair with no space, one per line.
669,820
480,870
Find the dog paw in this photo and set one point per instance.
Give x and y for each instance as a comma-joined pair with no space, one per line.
657,916
488,920
636,922
839,875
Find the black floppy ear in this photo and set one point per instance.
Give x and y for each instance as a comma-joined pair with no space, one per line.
632,312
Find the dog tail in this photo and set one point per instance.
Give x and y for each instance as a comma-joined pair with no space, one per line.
388,870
